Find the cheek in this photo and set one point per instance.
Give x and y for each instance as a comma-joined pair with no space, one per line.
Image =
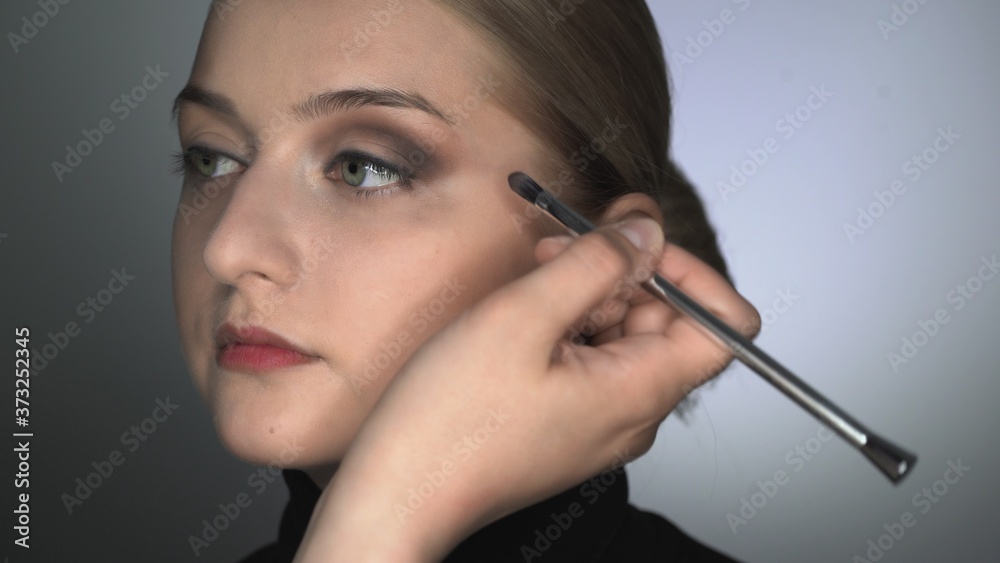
461,267
196,216
191,295
397,296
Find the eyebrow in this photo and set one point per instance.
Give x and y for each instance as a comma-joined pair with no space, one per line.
317,105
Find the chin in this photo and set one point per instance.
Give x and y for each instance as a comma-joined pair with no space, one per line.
263,429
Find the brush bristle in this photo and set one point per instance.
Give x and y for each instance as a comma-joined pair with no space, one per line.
524,186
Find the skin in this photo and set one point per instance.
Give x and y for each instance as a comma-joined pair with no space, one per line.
284,242
278,212
568,411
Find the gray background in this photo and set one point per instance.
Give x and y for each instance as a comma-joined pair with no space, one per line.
852,301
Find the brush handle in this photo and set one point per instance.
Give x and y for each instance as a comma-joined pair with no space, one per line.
890,459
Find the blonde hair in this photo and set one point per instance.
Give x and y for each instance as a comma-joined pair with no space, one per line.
579,69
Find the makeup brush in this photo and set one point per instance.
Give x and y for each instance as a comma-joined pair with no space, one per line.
892,460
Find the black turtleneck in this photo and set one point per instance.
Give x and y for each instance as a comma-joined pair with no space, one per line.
591,522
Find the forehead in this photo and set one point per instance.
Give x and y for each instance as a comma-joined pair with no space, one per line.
262,53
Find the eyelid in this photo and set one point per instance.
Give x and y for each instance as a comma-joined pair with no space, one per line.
395,140
401,171
202,149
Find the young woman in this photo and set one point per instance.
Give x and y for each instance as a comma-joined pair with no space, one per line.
364,301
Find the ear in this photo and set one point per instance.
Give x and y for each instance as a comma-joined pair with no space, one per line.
631,205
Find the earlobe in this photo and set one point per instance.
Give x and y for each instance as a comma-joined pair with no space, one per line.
632,205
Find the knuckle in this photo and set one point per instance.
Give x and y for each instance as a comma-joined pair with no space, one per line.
642,442
642,447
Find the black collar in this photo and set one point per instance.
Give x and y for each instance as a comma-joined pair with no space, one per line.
576,525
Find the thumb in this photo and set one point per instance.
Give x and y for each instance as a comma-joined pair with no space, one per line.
580,278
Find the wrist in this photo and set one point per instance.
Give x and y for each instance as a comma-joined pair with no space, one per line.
369,517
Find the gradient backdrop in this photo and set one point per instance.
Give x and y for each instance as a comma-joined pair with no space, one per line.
847,101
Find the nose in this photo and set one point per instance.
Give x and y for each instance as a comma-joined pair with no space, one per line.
253,239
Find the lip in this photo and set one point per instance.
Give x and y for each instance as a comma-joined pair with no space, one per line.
256,349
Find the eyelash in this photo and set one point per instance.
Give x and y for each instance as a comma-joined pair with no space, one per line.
183,163
405,181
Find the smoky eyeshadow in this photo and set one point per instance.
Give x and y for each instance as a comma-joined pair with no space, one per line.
410,153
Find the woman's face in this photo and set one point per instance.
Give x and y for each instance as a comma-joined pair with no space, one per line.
299,214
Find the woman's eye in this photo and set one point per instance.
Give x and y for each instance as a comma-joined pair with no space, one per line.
213,165
361,173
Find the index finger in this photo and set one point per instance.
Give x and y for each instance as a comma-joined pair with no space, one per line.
695,352
702,283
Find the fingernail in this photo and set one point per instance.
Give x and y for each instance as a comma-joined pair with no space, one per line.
640,232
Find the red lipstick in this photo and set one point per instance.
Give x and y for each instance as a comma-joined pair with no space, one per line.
256,349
